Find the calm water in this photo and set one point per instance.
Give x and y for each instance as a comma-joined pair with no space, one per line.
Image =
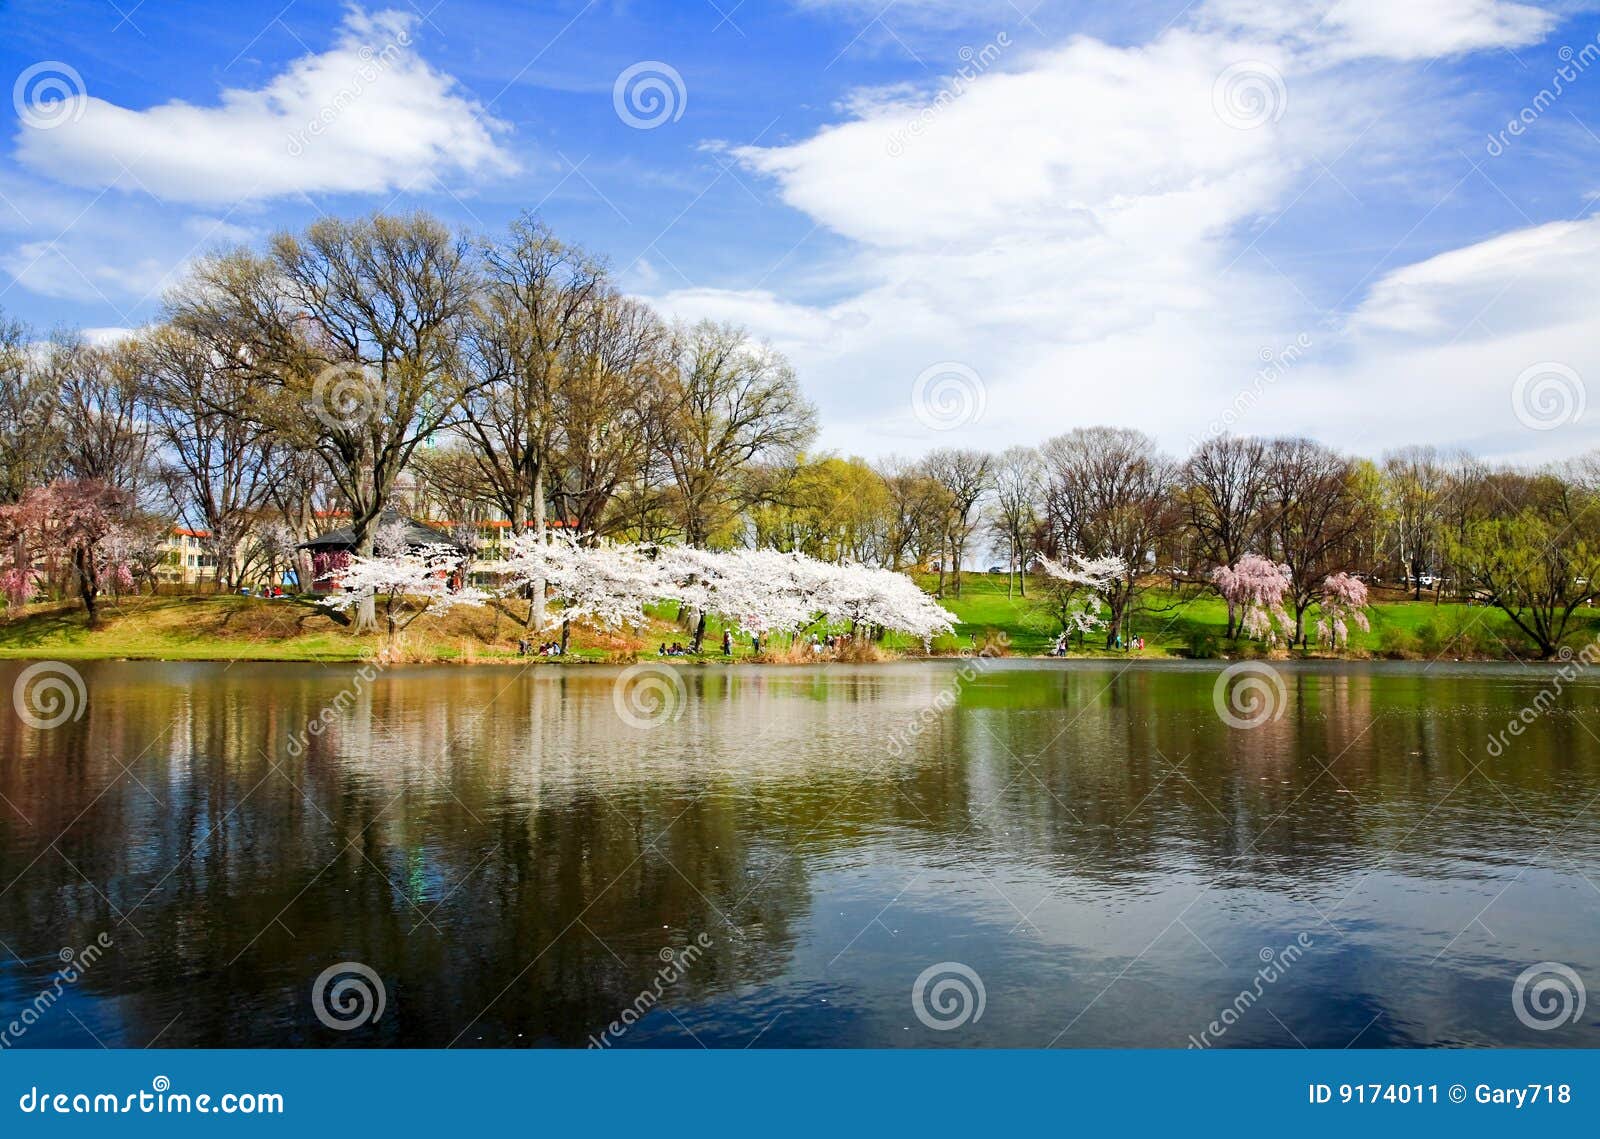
514,860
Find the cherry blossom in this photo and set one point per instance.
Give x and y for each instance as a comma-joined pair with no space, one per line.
1344,602
1256,586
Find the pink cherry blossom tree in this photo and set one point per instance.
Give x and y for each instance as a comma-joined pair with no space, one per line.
1344,603
74,520
1255,587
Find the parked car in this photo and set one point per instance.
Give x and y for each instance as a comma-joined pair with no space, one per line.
997,569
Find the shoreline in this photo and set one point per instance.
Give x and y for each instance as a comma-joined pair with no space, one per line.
717,661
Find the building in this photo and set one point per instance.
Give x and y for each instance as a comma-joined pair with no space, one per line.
186,558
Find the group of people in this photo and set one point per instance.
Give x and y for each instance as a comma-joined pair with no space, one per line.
267,591
677,650
546,648
829,642
1135,644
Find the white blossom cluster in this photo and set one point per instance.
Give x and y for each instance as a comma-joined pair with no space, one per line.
755,591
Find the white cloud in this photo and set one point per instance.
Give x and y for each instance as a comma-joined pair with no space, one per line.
1069,227
368,115
1387,29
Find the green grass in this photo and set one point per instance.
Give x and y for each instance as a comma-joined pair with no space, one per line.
224,627
1192,622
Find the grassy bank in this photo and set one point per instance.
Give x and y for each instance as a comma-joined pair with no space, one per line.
1174,624
1192,623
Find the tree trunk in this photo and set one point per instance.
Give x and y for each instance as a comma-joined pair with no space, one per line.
536,615
367,609
87,589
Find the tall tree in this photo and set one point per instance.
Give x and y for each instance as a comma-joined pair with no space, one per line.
201,410
1225,484
1109,495
1018,491
1413,484
1315,512
1535,553
727,402
965,475
105,436
608,413
30,452
359,325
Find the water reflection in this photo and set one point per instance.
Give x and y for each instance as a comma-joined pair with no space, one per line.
514,860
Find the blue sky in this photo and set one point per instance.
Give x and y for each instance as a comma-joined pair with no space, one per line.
1227,214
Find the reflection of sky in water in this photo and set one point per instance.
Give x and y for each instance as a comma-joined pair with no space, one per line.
511,855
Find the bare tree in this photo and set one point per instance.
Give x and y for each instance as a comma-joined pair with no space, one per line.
912,522
1315,512
105,437
1226,485
29,448
609,410
359,326
1018,494
1414,482
726,402
201,411
965,476
1109,494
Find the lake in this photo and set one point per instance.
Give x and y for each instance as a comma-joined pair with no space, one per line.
919,854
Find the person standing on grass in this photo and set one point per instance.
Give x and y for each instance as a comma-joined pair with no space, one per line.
727,642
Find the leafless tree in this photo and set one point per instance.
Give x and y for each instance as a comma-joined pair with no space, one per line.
1314,514
201,410
1109,494
726,402
1225,488
1018,503
359,325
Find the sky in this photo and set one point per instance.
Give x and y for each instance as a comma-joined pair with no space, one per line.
965,222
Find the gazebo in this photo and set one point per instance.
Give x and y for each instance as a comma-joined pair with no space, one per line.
331,550
417,535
